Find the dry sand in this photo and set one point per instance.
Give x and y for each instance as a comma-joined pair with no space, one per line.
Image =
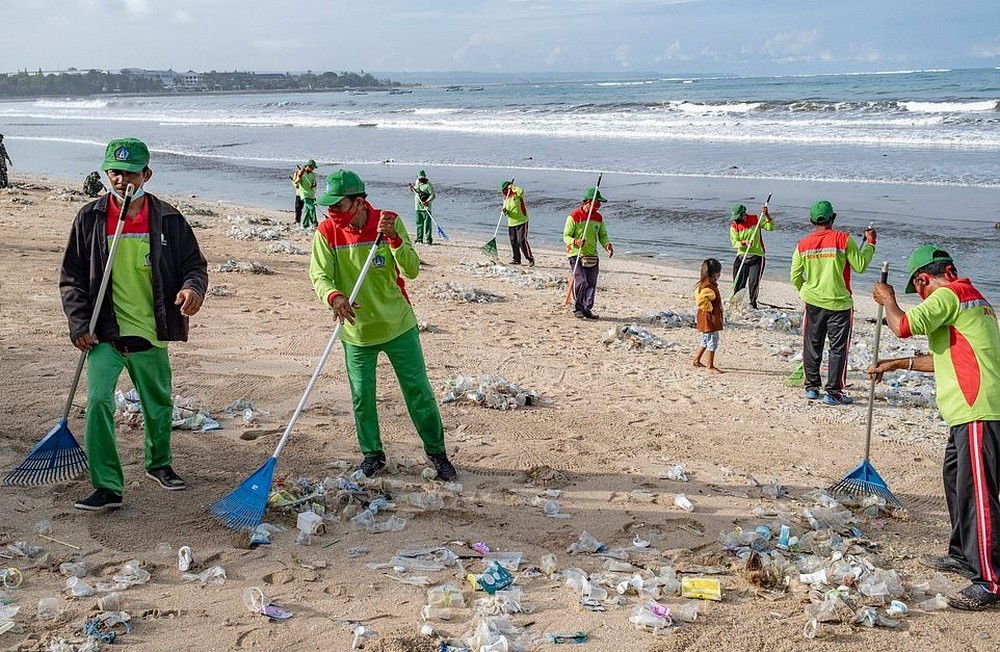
616,419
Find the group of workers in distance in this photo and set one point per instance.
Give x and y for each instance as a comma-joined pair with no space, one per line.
160,280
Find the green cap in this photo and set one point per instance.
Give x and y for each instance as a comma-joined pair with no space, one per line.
821,212
310,164
421,175
738,210
340,184
925,256
594,193
503,186
129,154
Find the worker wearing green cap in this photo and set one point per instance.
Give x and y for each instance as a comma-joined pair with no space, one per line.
582,237
517,223
423,196
748,242
304,181
159,279
382,319
964,342
821,272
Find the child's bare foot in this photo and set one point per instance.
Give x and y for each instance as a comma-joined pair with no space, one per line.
697,363
714,370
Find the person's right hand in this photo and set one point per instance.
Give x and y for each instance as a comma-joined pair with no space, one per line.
342,309
744,243
85,342
878,369
870,235
882,293
579,242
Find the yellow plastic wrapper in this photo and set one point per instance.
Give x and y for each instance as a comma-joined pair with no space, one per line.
701,588
281,499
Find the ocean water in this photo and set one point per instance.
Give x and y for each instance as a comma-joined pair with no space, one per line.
915,152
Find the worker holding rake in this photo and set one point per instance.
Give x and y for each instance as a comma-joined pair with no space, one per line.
382,320
583,231
964,340
745,236
159,278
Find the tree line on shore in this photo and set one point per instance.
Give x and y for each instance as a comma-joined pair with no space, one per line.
95,82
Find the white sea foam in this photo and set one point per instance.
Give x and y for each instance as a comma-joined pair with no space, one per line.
951,107
71,104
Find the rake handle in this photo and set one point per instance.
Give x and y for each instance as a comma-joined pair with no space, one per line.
496,231
871,386
327,350
579,252
101,291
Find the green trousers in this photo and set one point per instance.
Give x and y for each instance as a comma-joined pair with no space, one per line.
150,373
309,213
407,360
424,227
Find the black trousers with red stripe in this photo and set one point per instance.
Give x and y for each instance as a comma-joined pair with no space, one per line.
971,487
519,243
818,325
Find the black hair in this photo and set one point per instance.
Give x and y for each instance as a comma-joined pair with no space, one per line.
938,267
709,267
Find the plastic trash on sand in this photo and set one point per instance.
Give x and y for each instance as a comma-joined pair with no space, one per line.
586,543
494,392
187,414
213,576
701,588
463,294
633,338
669,319
256,602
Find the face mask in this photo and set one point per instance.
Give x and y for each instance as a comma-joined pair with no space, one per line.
139,192
340,218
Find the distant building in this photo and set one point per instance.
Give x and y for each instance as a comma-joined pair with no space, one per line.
189,80
167,78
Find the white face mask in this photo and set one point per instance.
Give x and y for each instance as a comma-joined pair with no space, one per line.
139,192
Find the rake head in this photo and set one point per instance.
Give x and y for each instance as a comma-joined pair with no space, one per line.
244,508
864,480
490,249
796,378
56,458
441,233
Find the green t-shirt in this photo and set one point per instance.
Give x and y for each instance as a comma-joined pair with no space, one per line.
426,189
739,231
961,329
514,208
821,268
306,188
132,276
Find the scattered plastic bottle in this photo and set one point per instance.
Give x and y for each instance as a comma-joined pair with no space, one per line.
680,500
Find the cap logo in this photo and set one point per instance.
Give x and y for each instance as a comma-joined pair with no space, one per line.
122,153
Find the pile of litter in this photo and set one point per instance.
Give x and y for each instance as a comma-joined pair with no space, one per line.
188,415
463,294
68,194
489,391
669,319
243,267
255,228
631,337
514,274
219,290
816,551
772,319
285,247
187,208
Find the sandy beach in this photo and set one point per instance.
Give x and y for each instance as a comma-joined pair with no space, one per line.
612,421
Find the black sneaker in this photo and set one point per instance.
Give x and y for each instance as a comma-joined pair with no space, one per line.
166,478
947,564
446,471
531,262
372,465
579,315
590,315
100,500
514,262
974,597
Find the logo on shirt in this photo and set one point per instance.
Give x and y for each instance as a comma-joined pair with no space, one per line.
379,261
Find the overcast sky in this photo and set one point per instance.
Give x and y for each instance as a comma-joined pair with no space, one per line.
747,37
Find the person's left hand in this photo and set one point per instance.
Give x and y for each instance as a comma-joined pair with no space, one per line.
387,224
744,243
877,370
189,301
883,292
611,250
763,211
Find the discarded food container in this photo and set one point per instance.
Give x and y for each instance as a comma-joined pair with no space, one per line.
701,588
48,609
933,604
435,613
110,602
445,596
184,559
680,500
897,608
310,523
548,564
78,588
685,613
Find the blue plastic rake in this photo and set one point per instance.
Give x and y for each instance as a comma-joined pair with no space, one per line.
864,480
244,508
437,227
58,457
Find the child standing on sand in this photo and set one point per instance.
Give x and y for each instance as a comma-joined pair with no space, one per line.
709,321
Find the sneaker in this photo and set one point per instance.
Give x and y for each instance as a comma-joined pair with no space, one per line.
590,315
531,262
100,500
372,465
974,597
812,394
947,564
514,262
837,398
579,315
443,465
166,478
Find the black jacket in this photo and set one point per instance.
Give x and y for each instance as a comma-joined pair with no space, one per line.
176,260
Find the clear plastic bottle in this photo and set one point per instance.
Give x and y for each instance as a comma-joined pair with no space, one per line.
680,500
